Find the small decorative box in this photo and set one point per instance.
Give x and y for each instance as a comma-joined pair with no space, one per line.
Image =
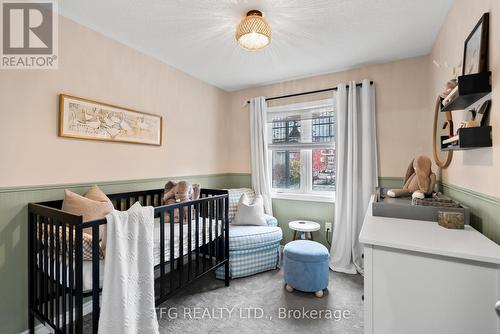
452,220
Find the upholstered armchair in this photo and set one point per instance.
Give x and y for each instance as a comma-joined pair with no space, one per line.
252,249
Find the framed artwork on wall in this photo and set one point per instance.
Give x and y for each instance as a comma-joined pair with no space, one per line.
476,48
87,119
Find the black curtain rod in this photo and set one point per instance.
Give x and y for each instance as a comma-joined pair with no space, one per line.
307,93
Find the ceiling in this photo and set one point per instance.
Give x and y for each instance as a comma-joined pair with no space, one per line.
309,37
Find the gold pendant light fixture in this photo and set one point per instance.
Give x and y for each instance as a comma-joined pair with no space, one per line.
253,32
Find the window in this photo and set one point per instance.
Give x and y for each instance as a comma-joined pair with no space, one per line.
286,131
302,149
323,169
286,169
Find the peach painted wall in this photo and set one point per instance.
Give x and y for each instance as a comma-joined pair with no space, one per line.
404,120
206,130
98,68
479,169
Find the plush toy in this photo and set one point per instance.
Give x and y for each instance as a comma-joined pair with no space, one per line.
450,86
419,179
176,192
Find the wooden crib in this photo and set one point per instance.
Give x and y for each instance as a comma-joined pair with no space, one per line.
62,285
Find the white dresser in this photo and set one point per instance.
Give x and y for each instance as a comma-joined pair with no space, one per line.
421,278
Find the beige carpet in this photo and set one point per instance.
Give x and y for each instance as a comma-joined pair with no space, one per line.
260,304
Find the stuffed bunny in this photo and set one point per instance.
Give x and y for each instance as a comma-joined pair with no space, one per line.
419,179
180,192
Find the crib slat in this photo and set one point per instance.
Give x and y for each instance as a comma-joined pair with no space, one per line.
79,279
190,235
217,239
39,260
71,282
31,268
162,254
58,272
171,241
51,270
204,213
221,229
210,244
181,246
216,215
64,275
45,266
55,265
95,278
197,236
214,230
226,240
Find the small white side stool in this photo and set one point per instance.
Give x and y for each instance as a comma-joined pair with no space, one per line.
304,229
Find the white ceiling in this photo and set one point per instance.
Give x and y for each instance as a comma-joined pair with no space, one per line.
309,37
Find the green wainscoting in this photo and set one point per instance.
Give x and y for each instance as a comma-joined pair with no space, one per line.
390,182
13,234
485,210
286,210
13,222
238,180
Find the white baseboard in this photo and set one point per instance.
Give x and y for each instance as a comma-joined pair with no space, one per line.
42,329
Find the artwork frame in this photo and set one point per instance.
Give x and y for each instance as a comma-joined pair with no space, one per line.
476,48
87,119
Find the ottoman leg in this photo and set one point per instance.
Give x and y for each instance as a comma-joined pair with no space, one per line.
319,293
288,288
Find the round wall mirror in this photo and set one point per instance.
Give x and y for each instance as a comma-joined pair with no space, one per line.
443,126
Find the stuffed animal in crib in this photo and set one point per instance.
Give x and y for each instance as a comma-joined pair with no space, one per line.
176,192
419,179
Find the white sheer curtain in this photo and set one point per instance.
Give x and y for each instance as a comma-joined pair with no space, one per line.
258,147
356,177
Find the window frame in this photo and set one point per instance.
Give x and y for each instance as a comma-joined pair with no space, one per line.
305,191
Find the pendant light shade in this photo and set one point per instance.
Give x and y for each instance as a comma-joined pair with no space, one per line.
253,33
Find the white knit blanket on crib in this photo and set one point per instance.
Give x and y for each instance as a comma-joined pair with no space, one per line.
128,300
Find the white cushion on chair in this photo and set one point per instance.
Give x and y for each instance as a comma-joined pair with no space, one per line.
250,214
234,198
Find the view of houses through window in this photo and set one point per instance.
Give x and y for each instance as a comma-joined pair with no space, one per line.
302,152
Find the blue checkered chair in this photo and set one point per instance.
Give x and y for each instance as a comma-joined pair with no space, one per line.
252,249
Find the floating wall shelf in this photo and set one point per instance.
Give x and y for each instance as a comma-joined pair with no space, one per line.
469,138
471,88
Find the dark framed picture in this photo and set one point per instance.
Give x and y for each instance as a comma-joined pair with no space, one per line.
476,48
